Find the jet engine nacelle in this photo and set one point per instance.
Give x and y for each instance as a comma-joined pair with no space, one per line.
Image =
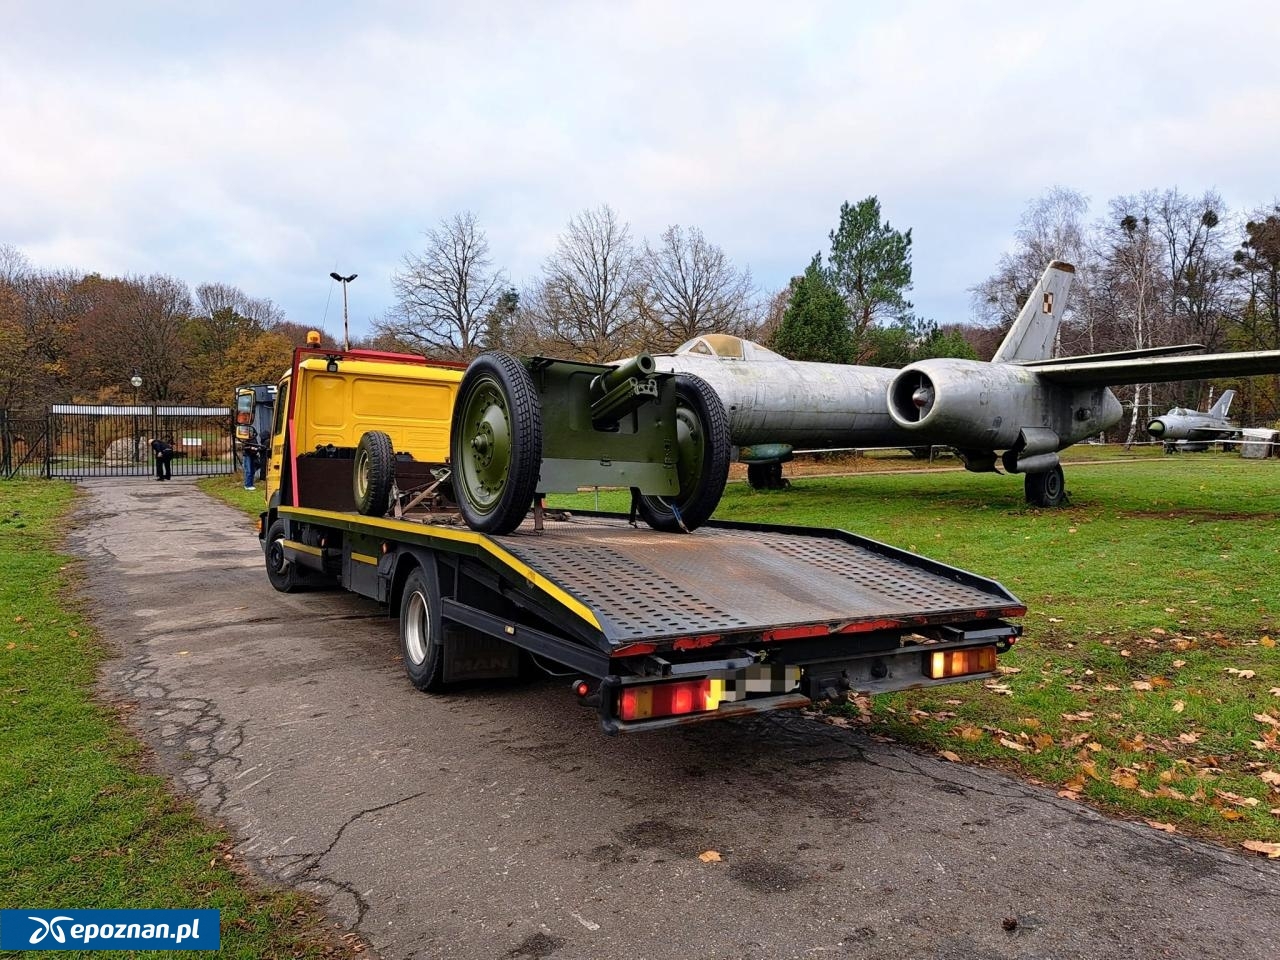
972,405
965,403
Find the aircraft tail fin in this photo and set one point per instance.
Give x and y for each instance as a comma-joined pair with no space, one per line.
1219,409
1033,334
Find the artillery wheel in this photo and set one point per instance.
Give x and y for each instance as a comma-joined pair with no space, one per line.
373,473
284,576
1046,488
496,443
702,438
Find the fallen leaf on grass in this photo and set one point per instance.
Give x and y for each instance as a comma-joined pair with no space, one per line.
1232,815
1179,664
1179,706
709,856
1235,798
1271,777
950,755
1270,850
1266,642
1042,741
1075,784
998,688
1013,744
1267,718
1080,717
1274,691
1090,769
1068,795
969,734
1242,674
1166,827
1141,685
1161,682
1123,778
1189,737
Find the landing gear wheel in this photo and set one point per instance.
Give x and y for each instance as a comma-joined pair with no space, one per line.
1047,488
373,473
496,443
421,632
702,438
284,576
766,476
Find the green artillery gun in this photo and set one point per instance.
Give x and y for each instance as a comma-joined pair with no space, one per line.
525,427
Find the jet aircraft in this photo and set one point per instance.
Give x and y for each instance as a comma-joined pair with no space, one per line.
1017,410
1195,426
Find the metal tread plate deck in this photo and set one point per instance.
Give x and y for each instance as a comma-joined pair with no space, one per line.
646,585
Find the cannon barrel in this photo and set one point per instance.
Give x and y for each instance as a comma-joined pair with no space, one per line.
622,390
639,366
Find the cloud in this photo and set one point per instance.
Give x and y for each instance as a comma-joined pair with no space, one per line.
267,146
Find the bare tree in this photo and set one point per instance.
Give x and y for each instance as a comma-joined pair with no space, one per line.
445,293
215,298
587,301
689,288
1133,271
1052,228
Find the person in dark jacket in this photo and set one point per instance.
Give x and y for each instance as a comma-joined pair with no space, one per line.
163,450
253,456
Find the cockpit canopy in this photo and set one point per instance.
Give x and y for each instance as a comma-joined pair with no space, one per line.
726,347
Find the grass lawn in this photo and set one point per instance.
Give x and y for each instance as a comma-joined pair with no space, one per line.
82,822
1148,682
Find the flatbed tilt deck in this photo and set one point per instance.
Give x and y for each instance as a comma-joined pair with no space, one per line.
655,628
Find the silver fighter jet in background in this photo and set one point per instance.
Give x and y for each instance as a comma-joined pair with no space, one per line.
1195,426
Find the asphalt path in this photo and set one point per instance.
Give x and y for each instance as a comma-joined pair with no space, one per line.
500,823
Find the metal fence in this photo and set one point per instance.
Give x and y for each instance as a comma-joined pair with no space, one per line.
74,441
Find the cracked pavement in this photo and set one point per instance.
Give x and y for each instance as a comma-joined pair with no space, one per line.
500,823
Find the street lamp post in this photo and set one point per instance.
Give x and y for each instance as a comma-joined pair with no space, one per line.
346,338
136,382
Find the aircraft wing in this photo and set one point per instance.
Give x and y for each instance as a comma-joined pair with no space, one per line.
1118,355
1213,433
1111,373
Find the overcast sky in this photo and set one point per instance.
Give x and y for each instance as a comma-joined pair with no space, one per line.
267,144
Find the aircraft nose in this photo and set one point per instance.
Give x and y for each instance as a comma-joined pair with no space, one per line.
922,397
1156,428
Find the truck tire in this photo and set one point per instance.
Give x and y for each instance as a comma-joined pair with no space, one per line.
495,443
1046,488
372,474
421,632
702,436
284,576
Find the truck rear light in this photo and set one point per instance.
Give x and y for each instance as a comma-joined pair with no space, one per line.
652,700
958,663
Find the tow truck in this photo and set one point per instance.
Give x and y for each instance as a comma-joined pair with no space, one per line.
420,484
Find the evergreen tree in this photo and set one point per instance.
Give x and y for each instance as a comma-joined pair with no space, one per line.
870,266
816,323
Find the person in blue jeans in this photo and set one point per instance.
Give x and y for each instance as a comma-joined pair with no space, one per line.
253,453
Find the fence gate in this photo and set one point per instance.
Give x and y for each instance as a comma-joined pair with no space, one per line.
73,441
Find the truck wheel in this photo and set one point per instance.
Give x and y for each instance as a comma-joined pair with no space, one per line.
284,576
421,633
702,438
373,473
495,444
1047,488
